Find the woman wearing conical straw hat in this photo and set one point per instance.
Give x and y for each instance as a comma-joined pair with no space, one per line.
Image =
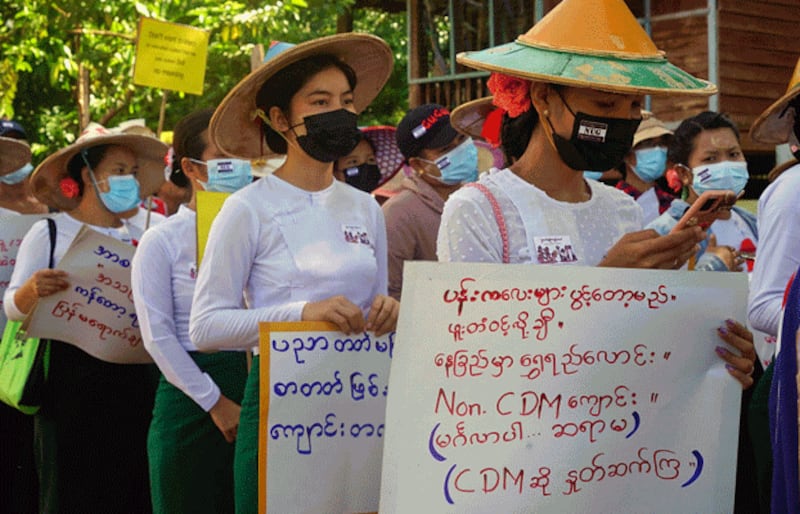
285,243
778,259
778,217
91,429
578,78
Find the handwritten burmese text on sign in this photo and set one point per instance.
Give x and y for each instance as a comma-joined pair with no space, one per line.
13,228
323,397
561,389
96,312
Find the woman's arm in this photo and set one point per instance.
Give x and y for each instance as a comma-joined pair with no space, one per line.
151,279
220,319
32,279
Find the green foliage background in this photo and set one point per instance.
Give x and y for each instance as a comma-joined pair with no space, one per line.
43,42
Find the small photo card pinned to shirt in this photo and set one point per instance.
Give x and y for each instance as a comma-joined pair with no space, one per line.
356,234
554,249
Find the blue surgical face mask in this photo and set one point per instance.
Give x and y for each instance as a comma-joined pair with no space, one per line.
122,194
123,190
729,175
592,175
459,165
226,175
15,177
651,163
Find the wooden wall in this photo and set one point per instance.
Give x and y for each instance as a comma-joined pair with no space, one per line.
758,49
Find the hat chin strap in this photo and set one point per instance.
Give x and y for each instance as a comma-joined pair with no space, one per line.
261,114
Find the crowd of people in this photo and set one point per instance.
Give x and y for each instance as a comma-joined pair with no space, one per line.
182,436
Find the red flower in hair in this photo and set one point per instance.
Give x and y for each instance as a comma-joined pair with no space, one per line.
510,93
673,180
69,188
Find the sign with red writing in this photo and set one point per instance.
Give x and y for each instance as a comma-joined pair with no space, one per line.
13,228
323,400
96,312
519,388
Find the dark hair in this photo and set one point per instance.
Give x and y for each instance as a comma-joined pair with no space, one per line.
683,140
279,89
515,133
186,142
363,138
94,155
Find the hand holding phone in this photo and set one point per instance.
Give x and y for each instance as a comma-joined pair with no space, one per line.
706,209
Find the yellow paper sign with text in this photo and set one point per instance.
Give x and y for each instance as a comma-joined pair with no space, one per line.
209,204
170,56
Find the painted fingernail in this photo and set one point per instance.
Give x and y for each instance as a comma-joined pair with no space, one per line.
730,322
721,351
730,367
723,330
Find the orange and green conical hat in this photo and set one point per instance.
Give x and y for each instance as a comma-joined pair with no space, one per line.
590,43
776,122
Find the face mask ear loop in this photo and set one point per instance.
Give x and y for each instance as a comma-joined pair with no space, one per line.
91,173
259,113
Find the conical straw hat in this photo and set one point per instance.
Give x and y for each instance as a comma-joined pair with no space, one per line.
590,43
149,151
774,124
14,154
237,130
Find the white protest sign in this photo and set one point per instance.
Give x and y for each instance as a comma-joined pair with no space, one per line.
519,388
96,312
323,399
12,229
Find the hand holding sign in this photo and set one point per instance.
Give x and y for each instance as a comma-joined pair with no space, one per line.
96,312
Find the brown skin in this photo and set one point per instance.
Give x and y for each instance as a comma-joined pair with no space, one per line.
326,91
18,198
225,413
630,162
118,160
541,166
425,167
712,146
362,153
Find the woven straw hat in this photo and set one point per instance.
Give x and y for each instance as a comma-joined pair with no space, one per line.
650,128
149,151
774,124
387,154
468,118
595,44
14,154
237,130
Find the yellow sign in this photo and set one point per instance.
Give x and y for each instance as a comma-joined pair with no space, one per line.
170,56
209,204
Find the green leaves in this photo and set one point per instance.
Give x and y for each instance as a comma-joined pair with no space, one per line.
42,45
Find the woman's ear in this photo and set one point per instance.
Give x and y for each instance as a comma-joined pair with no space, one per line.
277,119
685,174
192,170
540,93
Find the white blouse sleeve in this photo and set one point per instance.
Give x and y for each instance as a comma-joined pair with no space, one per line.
33,255
151,279
469,230
777,258
381,255
220,319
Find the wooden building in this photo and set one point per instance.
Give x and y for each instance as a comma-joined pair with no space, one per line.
747,47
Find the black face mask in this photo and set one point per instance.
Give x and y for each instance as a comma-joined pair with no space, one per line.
364,177
597,143
330,135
